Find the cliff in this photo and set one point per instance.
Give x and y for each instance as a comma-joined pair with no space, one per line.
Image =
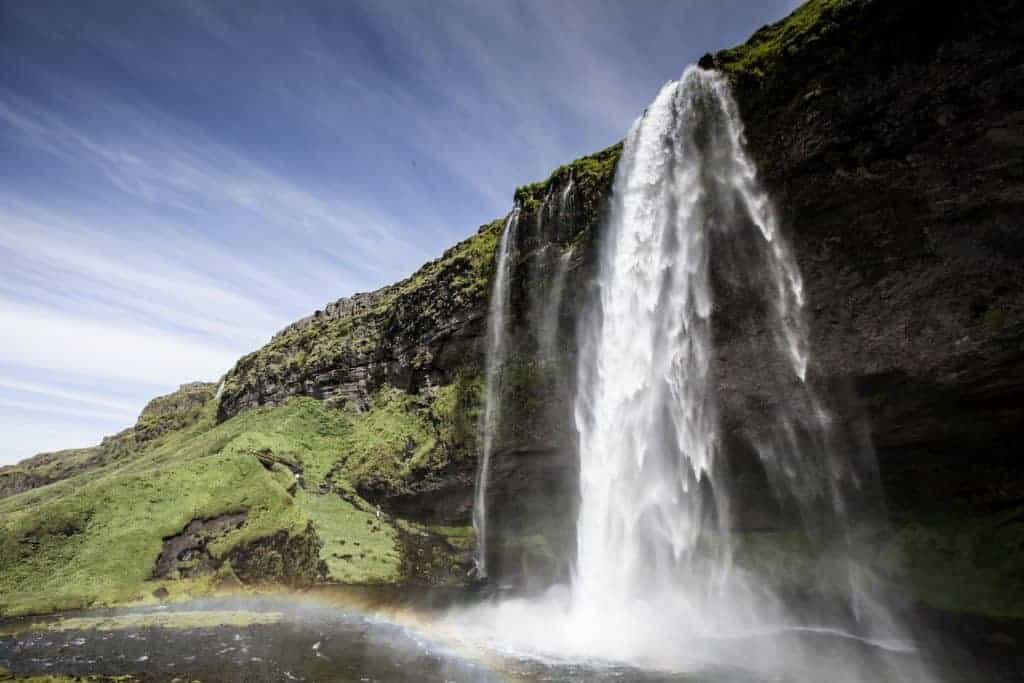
890,135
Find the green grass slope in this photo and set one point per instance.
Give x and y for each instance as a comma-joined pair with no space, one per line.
93,538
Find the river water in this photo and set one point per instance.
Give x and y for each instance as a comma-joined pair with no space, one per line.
309,641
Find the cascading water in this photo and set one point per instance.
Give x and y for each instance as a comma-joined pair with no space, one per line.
655,581
496,352
644,411
548,349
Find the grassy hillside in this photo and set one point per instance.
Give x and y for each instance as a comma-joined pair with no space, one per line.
94,538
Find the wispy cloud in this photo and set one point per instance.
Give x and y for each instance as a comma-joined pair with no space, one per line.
49,408
180,181
161,162
39,338
118,408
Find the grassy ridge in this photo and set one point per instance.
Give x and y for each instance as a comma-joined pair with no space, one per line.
456,281
93,539
771,47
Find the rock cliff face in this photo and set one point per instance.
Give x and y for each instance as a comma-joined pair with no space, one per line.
891,136
398,347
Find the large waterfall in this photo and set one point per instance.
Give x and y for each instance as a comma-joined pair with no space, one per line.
646,410
657,579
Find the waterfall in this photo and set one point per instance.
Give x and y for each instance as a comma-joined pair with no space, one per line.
565,202
495,360
549,322
690,229
646,411
656,498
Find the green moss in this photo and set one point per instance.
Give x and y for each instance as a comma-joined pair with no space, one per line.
358,546
93,539
388,442
5,675
172,620
459,537
455,412
969,565
789,563
589,173
994,318
302,433
769,50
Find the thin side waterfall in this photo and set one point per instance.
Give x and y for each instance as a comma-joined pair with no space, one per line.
553,307
538,271
496,352
565,202
658,579
549,319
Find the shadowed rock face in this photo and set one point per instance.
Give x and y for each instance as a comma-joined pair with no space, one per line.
893,148
890,136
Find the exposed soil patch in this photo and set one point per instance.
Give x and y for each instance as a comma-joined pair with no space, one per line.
186,554
293,560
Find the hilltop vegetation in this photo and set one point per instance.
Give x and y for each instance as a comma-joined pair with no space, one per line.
94,538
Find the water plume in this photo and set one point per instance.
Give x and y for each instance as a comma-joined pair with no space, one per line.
657,579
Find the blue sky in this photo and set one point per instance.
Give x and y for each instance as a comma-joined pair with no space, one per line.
179,180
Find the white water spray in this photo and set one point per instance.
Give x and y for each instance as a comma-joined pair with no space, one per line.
654,582
644,411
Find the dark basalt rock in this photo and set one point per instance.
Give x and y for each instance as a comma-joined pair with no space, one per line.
186,555
290,559
894,165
